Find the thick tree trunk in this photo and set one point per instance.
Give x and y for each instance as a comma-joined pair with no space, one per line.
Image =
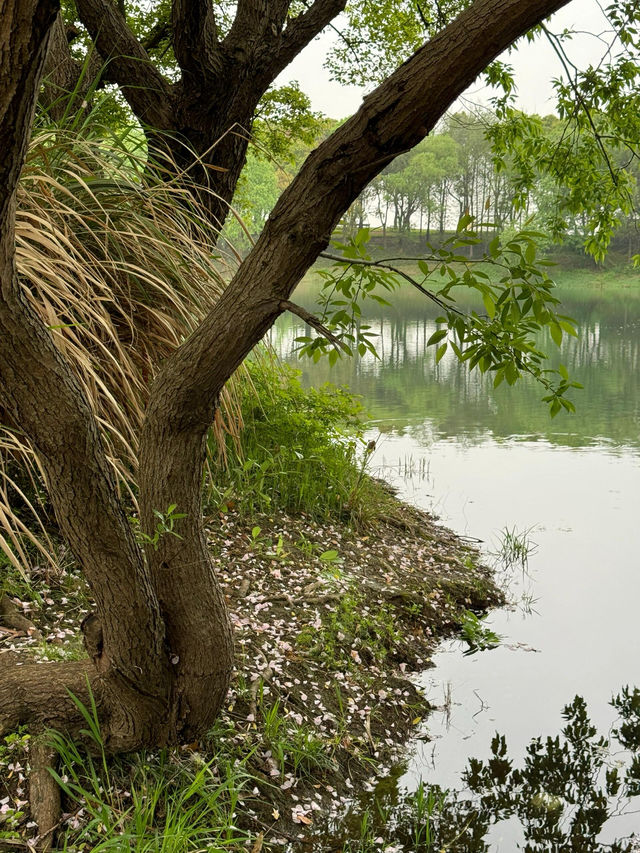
160,647
42,396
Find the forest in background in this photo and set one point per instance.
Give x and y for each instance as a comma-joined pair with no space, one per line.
456,170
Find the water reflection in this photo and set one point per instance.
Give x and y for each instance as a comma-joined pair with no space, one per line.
484,460
405,386
571,792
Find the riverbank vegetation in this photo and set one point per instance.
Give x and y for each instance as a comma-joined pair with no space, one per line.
161,490
337,591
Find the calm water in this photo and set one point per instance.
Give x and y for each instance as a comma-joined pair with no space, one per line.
485,460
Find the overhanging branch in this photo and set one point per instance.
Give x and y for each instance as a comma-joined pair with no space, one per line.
312,320
386,266
392,119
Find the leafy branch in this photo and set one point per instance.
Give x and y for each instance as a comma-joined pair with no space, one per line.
518,304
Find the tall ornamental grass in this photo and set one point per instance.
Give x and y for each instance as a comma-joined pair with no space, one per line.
119,262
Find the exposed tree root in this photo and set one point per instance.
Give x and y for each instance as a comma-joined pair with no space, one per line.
12,617
44,793
37,695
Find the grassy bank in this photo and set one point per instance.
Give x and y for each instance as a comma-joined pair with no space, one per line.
338,593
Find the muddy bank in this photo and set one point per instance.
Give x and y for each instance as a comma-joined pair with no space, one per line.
330,623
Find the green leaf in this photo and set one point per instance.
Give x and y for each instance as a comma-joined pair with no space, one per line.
437,336
556,333
530,253
463,222
441,351
489,304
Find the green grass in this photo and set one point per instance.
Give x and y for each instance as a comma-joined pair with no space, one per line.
170,801
369,630
301,450
294,747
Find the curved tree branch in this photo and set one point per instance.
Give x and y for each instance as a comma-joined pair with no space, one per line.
392,119
300,31
149,94
195,38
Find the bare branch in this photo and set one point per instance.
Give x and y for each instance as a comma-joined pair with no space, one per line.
148,93
195,37
312,320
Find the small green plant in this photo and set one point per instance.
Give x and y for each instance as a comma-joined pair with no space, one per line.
164,526
331,558
166,802
300,450
370,631
294,747
255,537
515,547
476,634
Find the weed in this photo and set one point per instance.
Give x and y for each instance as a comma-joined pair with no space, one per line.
369,631
165,526
515,547
299,450
152,803
294,747
476,633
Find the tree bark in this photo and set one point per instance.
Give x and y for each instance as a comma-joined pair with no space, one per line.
160,646
42,396
185,393
204,120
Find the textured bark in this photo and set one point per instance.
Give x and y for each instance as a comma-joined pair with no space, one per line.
44,793
160,645
204,120
184,396
67,80
38,694
41,395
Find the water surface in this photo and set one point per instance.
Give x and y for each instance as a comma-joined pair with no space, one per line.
485,460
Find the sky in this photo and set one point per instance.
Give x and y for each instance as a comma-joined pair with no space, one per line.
535,66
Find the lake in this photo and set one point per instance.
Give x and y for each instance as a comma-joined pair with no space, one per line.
485,461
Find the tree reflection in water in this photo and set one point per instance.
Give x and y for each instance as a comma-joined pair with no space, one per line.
565,791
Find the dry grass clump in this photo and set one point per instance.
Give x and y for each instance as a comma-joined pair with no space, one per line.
120,265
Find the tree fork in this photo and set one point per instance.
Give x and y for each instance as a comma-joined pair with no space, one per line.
184,395
41,395
171,667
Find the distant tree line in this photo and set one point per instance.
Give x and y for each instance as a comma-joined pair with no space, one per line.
423,193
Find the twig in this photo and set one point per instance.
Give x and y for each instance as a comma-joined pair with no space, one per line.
313,321
397,271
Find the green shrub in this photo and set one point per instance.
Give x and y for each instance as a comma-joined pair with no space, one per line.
301,450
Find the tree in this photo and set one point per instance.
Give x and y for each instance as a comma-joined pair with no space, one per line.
160,645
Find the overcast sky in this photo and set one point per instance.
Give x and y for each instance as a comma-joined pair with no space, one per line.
535,65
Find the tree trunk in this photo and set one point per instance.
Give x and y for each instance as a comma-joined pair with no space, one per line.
160,644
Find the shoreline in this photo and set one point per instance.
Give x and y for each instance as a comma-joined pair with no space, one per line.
331,622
